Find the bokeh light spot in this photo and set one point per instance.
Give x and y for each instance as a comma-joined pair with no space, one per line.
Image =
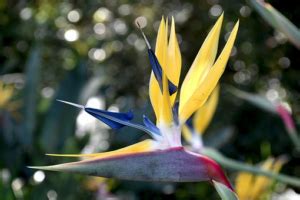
99,28
245,11
71,35
216,10
74,16
284,62
39,176
102,15
26,13
52,195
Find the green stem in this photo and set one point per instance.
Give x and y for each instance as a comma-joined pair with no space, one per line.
295,139
236,165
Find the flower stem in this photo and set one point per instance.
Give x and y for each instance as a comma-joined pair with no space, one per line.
240,166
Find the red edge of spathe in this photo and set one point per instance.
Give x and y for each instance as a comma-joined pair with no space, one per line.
216,173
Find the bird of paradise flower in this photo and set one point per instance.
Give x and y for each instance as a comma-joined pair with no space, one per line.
163,158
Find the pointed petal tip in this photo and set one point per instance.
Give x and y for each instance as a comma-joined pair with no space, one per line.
70,155
237,23
221,17
32,167
173,20
70,103
236,26
234,31
39,167
173,31
58,167
56,155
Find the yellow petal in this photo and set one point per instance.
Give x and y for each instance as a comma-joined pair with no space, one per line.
202,63
161,44
204,115
243,184
250,187
161,54
186,133
173,60
144,146
166,115
93,183
278,164
202,92
6,92
261,183
154,93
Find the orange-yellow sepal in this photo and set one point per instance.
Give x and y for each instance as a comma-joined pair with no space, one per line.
204,115
143,146
192,100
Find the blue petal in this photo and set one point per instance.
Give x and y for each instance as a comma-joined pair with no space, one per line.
118,120
113,119
102,116
172,87
157,70
189,124
175,112
150,125
155,66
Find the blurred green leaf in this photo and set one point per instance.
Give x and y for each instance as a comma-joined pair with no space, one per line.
224,135
240,166
32,79
277,20
91,88
278,109
254,99
60,119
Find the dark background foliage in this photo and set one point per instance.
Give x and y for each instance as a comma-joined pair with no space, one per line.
108,61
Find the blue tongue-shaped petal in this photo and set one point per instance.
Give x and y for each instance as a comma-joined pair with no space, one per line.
100,114
157,70
115,120
150,125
